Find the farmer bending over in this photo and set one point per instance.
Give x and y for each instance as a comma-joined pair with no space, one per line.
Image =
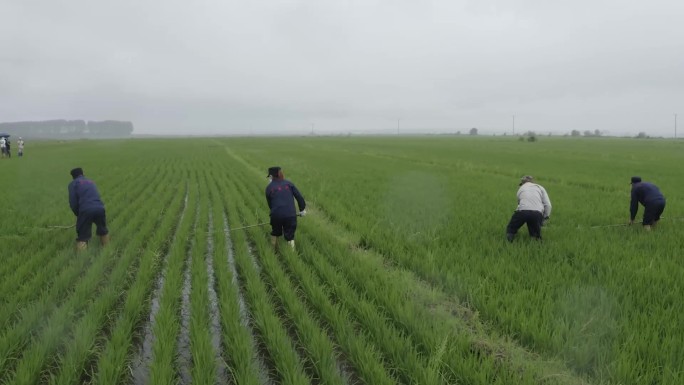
280,195
650,196
86,204
534,207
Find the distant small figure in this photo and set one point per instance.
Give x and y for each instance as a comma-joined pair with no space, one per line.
86,204
20,147
9,148
280,196
534,207
653,200
3,146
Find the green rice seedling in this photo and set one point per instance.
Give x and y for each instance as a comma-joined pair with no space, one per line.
315,344
367,360
30,288
76,355
240,353
29,368
167,325
364,357
274,338
15,339
203,355
411,226
111,364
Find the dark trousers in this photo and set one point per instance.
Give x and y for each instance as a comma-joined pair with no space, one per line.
84,224
653,211
284,226
532,218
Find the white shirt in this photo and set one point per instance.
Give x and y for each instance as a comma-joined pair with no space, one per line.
2,142
532,196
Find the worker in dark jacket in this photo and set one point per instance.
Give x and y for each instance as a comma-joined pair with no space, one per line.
280,196
653,200
86,204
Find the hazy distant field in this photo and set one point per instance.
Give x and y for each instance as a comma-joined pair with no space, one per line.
402,273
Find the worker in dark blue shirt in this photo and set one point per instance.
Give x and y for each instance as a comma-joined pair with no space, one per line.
86,204
280,196
653,200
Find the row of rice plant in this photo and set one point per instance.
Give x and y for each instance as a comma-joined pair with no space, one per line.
163,367
43,263
112,363
317,353
274,343
389,283
87,307
438,208
431,341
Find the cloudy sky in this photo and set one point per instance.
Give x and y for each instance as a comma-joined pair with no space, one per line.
223,66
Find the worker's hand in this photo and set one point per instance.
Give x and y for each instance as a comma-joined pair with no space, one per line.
544,220
302,213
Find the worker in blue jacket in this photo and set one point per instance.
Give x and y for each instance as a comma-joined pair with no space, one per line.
86,204
280,196
653,200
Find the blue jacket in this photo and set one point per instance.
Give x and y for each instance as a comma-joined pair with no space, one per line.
83,195
644,193
280,195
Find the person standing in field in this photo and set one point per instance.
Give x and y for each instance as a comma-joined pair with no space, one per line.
20,147
653,200
534,207
280,196
86,204
3,146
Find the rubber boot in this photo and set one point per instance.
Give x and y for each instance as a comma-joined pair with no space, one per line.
81,246
104,239
647,227
291,243
510,236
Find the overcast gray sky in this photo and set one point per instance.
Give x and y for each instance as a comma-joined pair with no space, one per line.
222,67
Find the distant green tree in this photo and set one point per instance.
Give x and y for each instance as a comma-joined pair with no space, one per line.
575,133
473,131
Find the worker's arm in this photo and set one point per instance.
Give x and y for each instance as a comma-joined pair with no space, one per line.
268,199
634,205
73,198
546,202
300,199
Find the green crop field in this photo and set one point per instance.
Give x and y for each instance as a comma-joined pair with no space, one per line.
402,272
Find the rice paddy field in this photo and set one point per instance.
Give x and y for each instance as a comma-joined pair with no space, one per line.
401,274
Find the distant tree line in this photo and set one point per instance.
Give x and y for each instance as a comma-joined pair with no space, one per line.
586,133
69,129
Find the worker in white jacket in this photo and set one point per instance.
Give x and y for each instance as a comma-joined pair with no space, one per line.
534,207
